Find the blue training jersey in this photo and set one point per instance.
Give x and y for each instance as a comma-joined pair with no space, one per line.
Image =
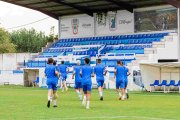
50,72
126,70
86,74
78,77
63,70
99,71
120,71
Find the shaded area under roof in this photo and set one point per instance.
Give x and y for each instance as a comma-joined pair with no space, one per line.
56,8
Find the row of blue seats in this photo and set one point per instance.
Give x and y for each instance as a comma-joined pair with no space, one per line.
128,54
63,50
57,50
131,47
46,56
164,83
87,40
140,51
135,36
142,41
120,55
51,53
95,52
109,42
91,53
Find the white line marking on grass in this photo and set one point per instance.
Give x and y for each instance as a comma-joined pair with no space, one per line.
160,95
110,117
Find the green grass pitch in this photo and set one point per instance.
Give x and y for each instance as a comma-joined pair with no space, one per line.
19,103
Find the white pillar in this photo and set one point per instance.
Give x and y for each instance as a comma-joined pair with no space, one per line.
178,28
59,28
95,32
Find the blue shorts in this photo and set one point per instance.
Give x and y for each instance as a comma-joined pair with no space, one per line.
125,83
100,83
78,85
120,84
63,78
86,88
52,85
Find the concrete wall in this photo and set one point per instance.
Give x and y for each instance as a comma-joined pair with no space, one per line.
10,61
8,76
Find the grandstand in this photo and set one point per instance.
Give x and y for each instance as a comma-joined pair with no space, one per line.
109,48
135,32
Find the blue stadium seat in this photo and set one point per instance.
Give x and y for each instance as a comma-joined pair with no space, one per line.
129,36
115,43
104,38
160,34
115,37
163,84
76,40
149,35
131,41
125,36
118,37
139,36
156,83
178,84
119,42
136,41
83,53
171,83
121,37
135,36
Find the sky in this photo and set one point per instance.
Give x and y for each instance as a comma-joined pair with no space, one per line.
12,16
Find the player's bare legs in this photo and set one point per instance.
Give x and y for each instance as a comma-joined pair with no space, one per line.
88,95
119,93
79,92
126,92
55,98
49,97
123,94
100,92
64,84
84,99
62,87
